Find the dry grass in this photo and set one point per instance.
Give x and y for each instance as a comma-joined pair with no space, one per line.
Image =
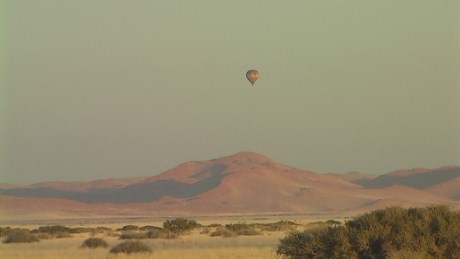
193,246
199,244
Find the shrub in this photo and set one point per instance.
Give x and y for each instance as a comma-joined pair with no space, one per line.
133,235
4,231
243,229
333,222
298,244
20,236
180,226
94,242
205,230
283,225
129,228
148,228
161,233
55,231
155,233
130,247
222,232
43,236
214,225
433,232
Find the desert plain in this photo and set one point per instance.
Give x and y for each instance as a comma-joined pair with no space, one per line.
244,189
199,243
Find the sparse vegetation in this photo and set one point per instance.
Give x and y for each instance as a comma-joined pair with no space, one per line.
46,232
432,232
130,247
161,233
133,235
243,229
129,228
5,231
148,228
58,231
283,225
222,232
180,226
333,222
94,242
20,236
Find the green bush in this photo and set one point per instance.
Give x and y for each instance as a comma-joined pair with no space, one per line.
431,231
129,247
20,236
94,242
180,226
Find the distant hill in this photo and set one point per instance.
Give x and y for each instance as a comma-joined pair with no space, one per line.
245,182
353,176
448,189
419,178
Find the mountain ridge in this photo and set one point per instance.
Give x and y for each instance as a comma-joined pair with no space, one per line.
245,182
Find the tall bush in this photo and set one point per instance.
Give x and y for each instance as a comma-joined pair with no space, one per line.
432,231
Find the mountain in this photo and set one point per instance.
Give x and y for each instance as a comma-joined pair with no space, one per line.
245,182
419,178
245,170
85,186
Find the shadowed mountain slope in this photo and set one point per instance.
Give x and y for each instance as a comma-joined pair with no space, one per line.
244,171
143,191
245,182
449,189
416,178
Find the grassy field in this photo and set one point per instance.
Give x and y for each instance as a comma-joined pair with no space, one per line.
197,244
193,246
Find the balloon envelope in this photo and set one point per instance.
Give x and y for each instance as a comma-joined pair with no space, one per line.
252,75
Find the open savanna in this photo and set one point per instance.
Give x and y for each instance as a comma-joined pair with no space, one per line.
197,244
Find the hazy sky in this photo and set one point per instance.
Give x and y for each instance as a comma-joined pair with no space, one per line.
98,89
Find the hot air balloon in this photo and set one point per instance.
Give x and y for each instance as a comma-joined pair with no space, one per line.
252,75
